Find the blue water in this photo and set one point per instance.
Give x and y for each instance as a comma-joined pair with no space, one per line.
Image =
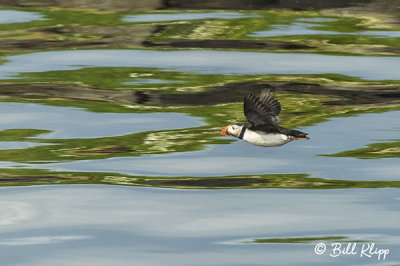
206,62
111,225
301,27
14,16
68,122
184,16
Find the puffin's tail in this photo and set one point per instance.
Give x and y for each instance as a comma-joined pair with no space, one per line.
296,134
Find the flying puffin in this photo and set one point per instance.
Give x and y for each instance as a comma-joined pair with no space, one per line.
263,127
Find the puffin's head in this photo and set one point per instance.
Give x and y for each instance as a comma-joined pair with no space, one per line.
232,130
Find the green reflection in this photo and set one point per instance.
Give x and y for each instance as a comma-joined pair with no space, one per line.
21,134
25,176
304,240
372,151
73,28
64,17
162,81
124,78
287,181
242,28
138,144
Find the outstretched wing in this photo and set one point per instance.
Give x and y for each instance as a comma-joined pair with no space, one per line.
263,110
268,99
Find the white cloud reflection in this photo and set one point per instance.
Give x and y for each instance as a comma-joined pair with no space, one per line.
41,240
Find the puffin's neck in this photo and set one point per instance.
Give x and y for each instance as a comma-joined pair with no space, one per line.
241,134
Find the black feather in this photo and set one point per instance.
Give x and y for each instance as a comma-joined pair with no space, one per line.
263,110
292,132
268,99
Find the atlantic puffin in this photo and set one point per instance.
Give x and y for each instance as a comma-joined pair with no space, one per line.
263,127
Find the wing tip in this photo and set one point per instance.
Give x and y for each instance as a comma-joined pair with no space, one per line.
266,90
266,93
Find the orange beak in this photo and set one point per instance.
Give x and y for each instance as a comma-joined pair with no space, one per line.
224,131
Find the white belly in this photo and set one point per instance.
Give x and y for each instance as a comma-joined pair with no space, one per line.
265,139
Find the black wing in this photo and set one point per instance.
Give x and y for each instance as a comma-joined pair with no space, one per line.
268,99
263,110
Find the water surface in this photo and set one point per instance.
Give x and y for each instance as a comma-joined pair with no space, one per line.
14,16
241,158
106,225
67,123
301,27
183,16
206,62
85,101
